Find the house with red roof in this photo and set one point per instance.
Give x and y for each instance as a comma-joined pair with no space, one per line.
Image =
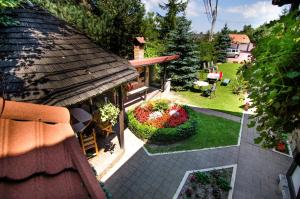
241,42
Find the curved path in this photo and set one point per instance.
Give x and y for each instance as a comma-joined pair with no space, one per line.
158,177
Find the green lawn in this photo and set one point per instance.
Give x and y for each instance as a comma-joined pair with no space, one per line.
212,131
225,100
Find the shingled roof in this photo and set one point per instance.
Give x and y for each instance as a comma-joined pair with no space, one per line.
44,60
40,156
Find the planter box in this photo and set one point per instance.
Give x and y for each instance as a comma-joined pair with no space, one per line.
190,187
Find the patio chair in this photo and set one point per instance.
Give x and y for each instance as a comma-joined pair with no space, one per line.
88,141
210,92
221,75
225,82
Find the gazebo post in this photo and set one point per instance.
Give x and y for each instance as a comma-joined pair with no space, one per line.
121,94
164,78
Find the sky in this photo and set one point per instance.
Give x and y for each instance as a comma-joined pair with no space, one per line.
236,13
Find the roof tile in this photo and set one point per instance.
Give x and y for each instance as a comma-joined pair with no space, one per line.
40,156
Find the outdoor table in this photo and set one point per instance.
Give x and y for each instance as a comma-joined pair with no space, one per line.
214,76
201,83
83,119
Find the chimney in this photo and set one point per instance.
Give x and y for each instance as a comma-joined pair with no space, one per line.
138,49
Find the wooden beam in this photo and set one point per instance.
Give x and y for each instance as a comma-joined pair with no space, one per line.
121,94
147,76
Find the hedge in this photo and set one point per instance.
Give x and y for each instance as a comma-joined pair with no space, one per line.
169,135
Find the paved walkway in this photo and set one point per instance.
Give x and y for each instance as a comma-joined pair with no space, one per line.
158,177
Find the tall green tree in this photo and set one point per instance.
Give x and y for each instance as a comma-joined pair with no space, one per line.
150,27
183,72
221,44
172,8
6,20
125,22
248,30
111,24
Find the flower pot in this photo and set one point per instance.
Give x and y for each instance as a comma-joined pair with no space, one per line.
281,147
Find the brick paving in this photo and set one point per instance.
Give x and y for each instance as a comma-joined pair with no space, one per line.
158,177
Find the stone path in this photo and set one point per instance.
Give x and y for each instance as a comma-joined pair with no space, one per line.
158,177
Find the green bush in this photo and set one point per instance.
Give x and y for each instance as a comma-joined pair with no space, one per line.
168,135
202,177
223,184
160,105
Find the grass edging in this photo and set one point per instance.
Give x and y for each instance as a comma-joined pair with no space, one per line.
187,173
202,149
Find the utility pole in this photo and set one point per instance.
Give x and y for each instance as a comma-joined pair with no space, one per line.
212,13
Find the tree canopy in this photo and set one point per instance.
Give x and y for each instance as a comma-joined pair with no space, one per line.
7,4
109,23
169,21
274,82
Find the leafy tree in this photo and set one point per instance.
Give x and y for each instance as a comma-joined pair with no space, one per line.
205,48
6,20
222,43
274,83
111,24
150,27
183,72
169,21
248,30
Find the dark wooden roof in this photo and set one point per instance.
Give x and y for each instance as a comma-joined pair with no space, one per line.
44,60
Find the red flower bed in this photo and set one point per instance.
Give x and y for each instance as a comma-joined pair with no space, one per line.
171,117
179,118
142,113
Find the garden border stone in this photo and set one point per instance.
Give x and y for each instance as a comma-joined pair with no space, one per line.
187,173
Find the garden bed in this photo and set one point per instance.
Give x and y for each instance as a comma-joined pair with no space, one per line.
211,132
212,183
161,121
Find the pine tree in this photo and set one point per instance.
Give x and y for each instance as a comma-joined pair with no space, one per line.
168,22
183,72
222,44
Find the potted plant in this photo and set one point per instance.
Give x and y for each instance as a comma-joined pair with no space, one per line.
106,116
281,146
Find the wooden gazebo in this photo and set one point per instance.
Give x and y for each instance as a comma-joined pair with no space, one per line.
46,61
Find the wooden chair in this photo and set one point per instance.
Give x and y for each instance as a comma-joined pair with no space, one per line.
89,142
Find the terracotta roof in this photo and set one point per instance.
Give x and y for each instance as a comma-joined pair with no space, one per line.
40,156
46,61
141,40
154,60
239,38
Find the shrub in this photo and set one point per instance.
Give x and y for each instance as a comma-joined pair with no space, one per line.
202,177
223,184
146,131
161,105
